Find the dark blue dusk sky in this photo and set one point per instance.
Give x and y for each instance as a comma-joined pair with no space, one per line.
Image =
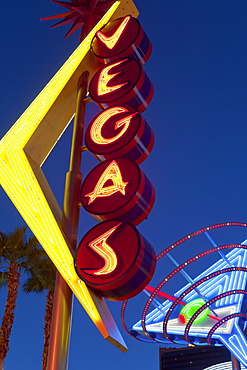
198,165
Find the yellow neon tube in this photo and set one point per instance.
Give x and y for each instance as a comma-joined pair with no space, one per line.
22,152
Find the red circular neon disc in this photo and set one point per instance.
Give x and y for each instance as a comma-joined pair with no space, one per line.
120,131
114,259
118,189
122,38
122,81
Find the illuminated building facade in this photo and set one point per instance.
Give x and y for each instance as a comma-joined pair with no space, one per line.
194,358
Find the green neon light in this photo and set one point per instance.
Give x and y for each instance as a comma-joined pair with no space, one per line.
190,308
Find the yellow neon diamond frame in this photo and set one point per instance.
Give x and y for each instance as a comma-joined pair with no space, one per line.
24,149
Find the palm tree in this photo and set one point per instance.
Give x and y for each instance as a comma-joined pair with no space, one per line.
16,253
42,275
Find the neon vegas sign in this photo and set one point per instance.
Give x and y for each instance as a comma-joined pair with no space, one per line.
113,257
23,151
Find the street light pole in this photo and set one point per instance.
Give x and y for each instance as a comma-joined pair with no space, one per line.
62,307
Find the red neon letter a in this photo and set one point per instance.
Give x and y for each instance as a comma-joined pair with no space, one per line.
112,172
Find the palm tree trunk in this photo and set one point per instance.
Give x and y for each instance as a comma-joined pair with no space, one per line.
13,282
47,327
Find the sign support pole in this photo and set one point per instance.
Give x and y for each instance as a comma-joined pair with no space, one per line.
235,363
62,307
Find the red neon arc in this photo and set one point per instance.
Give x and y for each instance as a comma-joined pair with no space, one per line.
112,173
95,131
163,295
111,41
105,77
100,246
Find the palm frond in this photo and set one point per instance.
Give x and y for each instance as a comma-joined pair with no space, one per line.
3,279
33,285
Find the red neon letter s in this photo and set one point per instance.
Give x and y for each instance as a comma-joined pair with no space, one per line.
100,246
